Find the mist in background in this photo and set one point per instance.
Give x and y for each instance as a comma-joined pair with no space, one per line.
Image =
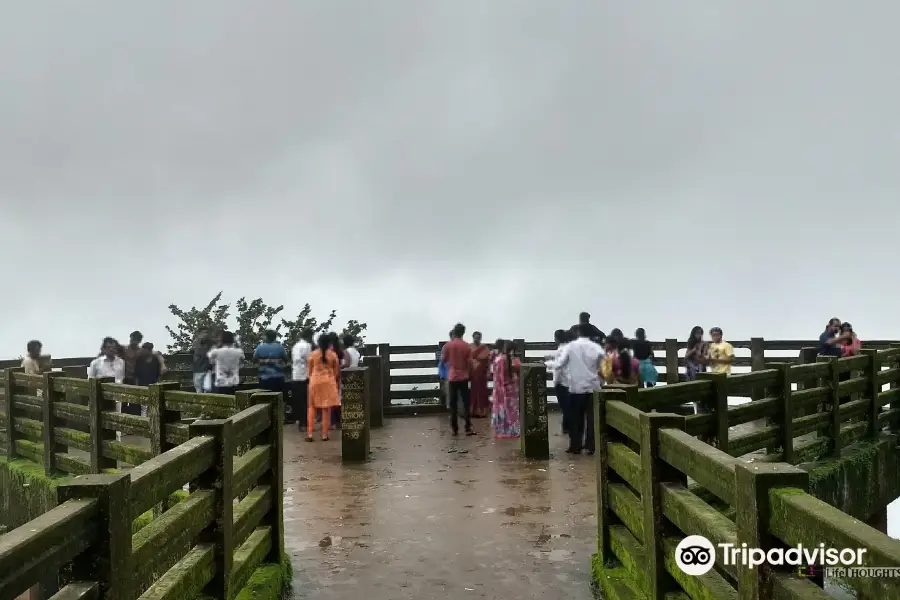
416,164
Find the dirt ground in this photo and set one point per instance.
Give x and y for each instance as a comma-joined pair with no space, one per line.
432,516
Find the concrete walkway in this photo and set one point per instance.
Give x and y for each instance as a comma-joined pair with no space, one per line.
431,516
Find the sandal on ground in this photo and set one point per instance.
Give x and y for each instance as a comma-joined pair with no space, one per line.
309,438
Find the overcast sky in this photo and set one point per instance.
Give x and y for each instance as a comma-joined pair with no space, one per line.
410,163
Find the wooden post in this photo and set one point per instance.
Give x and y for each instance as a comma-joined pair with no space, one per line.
219,480
757,363
519,345
97,405
833,404
719,407
653,472
872,390
808,355
159,416
671,360
894,385
384,351
606,517
10,409
108,561
51,397
374,390
535,441
785,416
354,416
632,395
752,512
274,477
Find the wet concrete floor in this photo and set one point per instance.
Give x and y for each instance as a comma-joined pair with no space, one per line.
432,516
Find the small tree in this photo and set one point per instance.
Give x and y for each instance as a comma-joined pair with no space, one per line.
293,328
253,319
212,317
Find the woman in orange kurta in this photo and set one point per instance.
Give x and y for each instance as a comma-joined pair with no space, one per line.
324,373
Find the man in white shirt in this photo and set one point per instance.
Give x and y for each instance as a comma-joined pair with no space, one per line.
350,351
560,377
300,376
226,360
581,359
109,363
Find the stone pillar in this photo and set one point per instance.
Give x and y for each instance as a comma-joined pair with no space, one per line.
374,389
354,415
533,411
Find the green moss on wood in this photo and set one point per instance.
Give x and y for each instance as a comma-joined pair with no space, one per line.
862,481
613,583
144,520
268,582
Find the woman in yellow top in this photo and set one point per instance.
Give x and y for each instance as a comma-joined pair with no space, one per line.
618,366
324,373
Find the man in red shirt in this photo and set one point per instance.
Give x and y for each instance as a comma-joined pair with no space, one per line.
457,355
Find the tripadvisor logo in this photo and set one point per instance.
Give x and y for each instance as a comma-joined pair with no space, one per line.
696,555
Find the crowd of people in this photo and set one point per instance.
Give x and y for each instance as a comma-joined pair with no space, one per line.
585,359
315,368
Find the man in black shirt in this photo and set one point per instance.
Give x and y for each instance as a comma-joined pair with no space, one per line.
595,335
830,341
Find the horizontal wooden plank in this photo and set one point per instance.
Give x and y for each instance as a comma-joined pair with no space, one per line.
54,550
249,467
132,394
70,520
251,422
154,480
29,382
71,412
79,590
415,349
157,547
125,423
71,464
187,577
126,453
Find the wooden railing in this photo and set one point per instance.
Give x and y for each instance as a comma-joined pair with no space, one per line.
829,397
404,382
70,424
206,544
644,460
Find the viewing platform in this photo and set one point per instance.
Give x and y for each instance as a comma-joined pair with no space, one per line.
798,450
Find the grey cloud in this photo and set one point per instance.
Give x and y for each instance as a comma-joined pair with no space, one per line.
506,163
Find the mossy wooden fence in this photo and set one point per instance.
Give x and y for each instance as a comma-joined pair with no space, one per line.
206,545
644,461
403,382
71,424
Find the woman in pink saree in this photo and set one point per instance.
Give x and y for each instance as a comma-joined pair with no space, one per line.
850,344
505,411
479,398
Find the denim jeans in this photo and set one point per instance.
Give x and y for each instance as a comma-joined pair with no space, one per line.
198,382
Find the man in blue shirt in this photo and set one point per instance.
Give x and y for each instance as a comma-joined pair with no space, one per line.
829,341
271,358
